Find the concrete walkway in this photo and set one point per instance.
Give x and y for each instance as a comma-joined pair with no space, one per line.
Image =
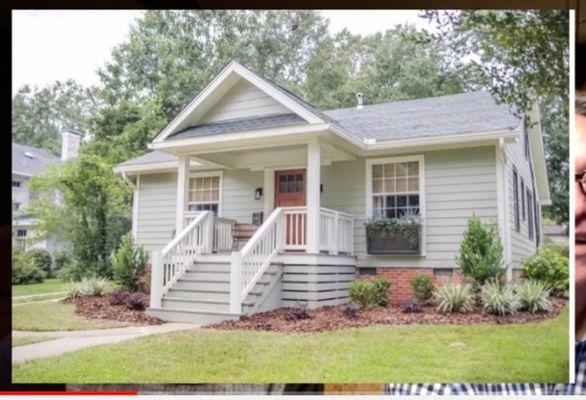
68,341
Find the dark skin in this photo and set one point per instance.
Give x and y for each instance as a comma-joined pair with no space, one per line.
580,164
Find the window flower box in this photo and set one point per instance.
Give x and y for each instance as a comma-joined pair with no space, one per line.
394,236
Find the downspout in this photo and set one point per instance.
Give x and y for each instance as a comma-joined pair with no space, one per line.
127,180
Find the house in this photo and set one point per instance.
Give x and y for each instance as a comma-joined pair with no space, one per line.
28,161
245,150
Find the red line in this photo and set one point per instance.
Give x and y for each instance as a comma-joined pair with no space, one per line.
41,393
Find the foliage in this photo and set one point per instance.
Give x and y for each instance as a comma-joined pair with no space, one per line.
144,282
481,252
533,296
297,312
129,263
24,269
93,212
523,58
454,297
92,286
119,297
41,259
62,259
498,298
412,306
370,293
136,301
384,228
422,286
350,310
39,115
547,265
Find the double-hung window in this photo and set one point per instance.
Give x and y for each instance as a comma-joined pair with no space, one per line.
530,214
516,199
205,193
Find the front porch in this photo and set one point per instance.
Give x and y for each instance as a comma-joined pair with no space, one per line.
204,269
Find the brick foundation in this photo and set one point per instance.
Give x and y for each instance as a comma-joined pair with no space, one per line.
401,280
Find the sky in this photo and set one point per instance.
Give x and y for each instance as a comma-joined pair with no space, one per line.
52,45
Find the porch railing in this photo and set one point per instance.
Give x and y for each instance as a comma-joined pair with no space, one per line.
336,232
169,264
295,228
222,231
249,264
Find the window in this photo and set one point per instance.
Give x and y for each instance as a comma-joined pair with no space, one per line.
395,189
443,272
537,208
516,199
16,184
530,214
204,193
523,199
21,233
367,271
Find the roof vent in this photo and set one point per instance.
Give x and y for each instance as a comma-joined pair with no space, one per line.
369,140
359,99
28,154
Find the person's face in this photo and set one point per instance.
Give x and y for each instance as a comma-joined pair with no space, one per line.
580,164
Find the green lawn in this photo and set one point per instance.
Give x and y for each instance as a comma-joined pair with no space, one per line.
48,286
41,297
417,353
21,341
55,317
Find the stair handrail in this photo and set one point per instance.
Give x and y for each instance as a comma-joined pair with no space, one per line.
249,264
169,264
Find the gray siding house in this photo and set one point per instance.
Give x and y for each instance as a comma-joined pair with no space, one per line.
247,151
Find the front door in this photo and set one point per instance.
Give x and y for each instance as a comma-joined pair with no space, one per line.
290,192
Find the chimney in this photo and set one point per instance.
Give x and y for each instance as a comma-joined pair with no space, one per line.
70,141
359,98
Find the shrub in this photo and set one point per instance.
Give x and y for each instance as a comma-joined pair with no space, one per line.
498,298
298,311
62,259
412,306
350,311
144,283
381,291
74,272
24,269
454,297
119,297
533,296
130,262
422,286
547,265
135,301
481,252
93,286
370,293
41,259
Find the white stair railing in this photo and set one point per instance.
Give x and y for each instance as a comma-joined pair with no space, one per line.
223,234
336,231
249,264
169,264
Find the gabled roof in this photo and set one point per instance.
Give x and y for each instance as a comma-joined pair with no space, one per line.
29,160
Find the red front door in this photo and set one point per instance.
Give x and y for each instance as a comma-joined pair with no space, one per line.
290,192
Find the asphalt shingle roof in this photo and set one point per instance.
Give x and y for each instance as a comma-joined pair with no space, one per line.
152,157
239,124
39,162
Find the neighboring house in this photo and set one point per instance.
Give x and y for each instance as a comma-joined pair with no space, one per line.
557,234
245,146
28,161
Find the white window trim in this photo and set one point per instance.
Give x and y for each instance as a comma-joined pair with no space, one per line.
387,160
209,174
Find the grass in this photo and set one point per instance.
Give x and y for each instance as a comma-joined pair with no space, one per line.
41,297
417,353
55,317
22,341
48,286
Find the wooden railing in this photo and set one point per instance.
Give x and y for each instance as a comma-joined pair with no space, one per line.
223,234
249,264
336,231
171,262
295,228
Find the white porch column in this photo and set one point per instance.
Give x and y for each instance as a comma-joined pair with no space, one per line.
182,191
313,203
268,194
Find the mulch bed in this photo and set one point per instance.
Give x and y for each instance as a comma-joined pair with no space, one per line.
332,318
100,307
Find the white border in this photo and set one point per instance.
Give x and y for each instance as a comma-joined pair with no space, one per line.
572,202
421,159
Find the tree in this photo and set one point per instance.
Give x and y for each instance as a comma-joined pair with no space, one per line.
39,115
170,55
93,212
522,57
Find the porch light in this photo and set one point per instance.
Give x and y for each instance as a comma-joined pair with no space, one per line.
258,193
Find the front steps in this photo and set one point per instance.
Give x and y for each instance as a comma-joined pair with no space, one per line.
202,294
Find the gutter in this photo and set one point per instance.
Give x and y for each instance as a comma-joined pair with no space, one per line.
128,181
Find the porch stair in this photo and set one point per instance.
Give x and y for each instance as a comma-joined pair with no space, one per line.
202,294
